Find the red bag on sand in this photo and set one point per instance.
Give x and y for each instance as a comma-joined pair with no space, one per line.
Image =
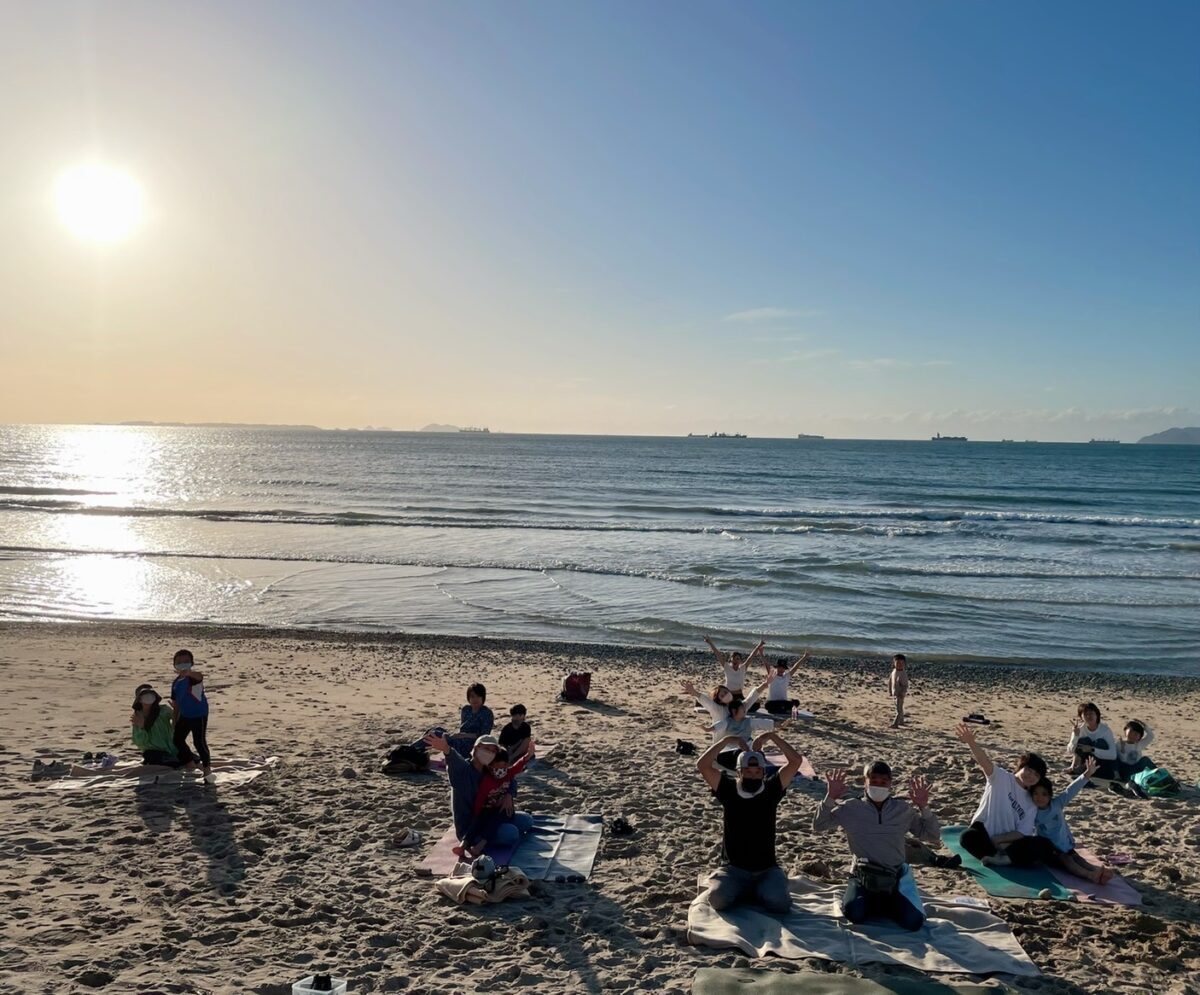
576,687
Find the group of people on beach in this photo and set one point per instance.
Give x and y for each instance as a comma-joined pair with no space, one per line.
1019,819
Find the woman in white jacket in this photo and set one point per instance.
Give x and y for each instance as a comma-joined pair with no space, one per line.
1092,738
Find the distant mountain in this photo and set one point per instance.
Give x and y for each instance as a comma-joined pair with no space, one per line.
441,428
1175,436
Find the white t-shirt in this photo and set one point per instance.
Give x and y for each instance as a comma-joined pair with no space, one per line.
1006,806
778,691
735,680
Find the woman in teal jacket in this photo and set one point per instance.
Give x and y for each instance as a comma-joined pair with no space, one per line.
153,723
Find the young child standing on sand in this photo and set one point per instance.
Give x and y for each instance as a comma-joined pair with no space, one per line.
898,686
191,708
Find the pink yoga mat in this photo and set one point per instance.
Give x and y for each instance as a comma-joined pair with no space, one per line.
441,858
779,760
1118,891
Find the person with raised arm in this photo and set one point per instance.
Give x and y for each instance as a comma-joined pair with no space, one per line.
749,871
876,826
466,778
731,719
1003,829
735,665
779,675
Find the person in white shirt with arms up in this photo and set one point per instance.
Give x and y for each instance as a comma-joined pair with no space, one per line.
735,665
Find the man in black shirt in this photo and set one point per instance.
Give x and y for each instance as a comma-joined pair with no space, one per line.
749,871
514,737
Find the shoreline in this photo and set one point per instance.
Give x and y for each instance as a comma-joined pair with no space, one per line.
934,665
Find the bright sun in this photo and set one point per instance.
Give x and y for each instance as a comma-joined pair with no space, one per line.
99,203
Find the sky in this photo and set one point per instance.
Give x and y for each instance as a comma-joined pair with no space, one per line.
870,220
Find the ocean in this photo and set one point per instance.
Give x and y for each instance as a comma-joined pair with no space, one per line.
1053,554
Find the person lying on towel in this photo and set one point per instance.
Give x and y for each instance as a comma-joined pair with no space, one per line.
881,883
749,871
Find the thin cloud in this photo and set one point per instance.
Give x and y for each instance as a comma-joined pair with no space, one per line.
767,314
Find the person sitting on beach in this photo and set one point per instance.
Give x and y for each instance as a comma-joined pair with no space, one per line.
465,778
493,789
734,665
1052,825
1006,816
475,720
191,707
153,723
749,871
729,720
778,702
516,734
898,686
1131,757
1092,738
881,882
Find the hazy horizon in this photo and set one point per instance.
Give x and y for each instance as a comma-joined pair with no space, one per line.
612,220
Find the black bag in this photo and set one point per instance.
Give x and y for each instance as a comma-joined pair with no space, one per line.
685,748
406,760
876,878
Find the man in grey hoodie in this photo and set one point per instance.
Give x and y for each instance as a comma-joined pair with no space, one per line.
881,884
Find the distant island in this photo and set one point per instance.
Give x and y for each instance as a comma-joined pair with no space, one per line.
805,435
1174,437
211,424
716,435
470,429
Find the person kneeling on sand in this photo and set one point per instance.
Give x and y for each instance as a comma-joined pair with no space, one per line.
153,723
493,790
466,778
749,871
881,883
1006,816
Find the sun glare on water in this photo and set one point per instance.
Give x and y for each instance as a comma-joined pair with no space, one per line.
99,203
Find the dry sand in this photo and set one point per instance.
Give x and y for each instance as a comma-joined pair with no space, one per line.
207,890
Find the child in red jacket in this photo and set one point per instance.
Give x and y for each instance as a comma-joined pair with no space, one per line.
492,789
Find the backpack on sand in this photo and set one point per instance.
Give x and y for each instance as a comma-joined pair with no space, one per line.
1156,782
575,687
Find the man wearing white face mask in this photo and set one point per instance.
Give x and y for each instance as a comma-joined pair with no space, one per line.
749,871
881,884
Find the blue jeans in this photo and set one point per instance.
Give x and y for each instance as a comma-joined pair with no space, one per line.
859,905
1126,771
729,886
509,832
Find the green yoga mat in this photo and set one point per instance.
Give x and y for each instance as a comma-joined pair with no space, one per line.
1005,882
735,981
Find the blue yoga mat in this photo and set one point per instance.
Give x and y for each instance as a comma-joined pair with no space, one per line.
1005,882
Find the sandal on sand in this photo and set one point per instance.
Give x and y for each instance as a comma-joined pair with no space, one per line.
408,839
975,718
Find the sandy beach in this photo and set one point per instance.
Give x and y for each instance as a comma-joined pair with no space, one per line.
207,890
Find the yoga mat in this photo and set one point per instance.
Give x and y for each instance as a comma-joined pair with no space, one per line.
225,773
777,759
955,939
1005,882
1118,891
761,981
555,849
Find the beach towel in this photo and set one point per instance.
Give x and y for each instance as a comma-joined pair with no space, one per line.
464,889
956,939
225,773
561,849
1118,891
1005,882
760,981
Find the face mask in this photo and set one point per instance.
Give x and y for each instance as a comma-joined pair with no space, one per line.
499,772
878,793
748,787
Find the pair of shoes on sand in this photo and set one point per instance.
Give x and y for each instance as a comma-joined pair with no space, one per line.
407,840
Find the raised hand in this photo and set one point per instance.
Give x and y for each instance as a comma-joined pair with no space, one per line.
1090,768
689,688
138,720
835,784
965,733
760,740
439,743
1077,725
918,791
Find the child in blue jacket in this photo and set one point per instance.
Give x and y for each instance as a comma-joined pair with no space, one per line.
1052,825
191,707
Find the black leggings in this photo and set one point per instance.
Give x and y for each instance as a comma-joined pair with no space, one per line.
199,730
1025,852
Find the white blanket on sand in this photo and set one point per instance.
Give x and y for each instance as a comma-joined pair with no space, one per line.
225,773
956,939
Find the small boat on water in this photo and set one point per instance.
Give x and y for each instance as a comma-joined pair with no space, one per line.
804,435
948,438
1104,442
476,431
